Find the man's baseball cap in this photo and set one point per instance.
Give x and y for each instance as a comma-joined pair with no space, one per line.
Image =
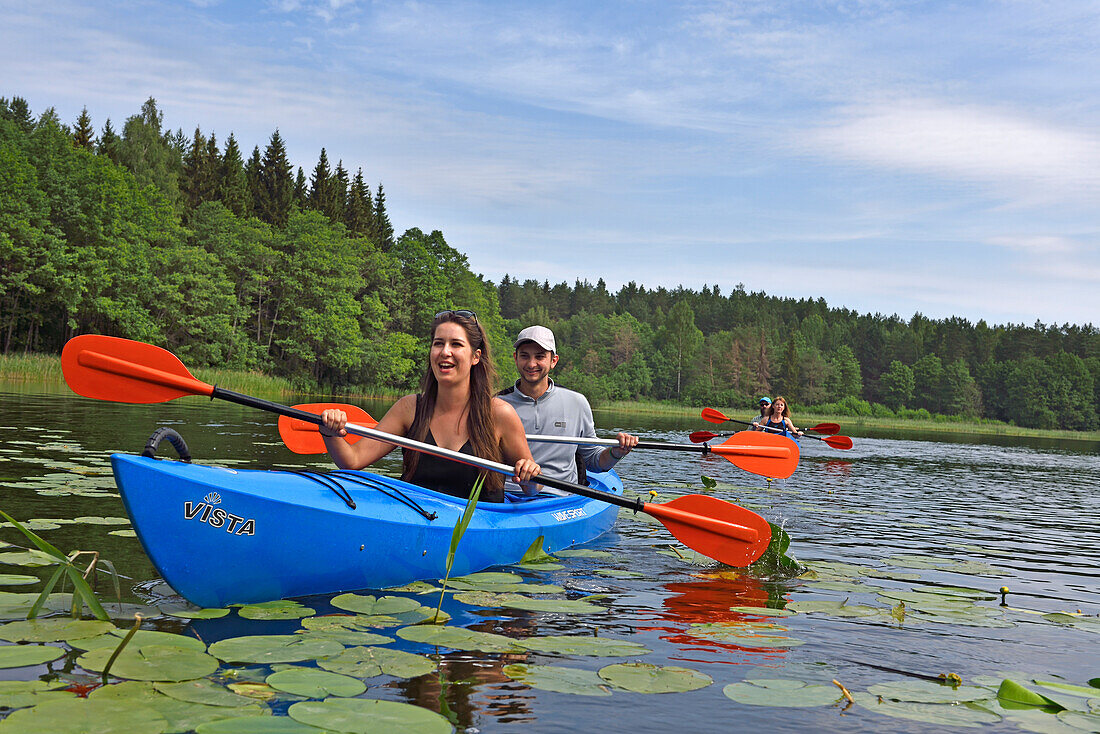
765,401
539,335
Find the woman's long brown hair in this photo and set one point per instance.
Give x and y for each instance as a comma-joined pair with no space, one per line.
786,407
479,414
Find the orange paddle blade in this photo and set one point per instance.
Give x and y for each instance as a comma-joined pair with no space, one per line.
125,371
839,442
303,437
711,415
765,454
717,529
701,436
825,428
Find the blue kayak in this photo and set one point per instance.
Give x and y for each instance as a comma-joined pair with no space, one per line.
222,536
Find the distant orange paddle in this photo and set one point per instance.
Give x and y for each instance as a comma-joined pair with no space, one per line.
714,416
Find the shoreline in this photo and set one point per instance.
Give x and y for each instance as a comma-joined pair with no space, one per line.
45,371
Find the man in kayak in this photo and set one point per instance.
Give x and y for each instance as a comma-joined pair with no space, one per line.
548,409
758,420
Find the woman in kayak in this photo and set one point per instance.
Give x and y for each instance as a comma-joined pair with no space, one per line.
454,409
779,418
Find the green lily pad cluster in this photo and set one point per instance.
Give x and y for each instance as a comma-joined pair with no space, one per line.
634,677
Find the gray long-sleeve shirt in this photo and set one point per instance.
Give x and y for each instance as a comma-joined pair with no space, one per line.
557,412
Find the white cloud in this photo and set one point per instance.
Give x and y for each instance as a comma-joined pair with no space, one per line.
967,142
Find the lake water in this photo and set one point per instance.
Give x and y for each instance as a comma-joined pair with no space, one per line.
892,520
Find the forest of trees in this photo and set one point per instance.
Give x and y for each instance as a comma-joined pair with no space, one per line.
180,241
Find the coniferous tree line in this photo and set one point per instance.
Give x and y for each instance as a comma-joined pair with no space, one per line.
180,241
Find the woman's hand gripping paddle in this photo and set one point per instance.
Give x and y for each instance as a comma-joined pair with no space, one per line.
125,371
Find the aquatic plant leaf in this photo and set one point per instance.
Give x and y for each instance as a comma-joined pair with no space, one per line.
536,554
963,714
646,678
1086,691
192,613
708,482
53,629
963,591
313,683
416,587
273,649
1012,692
30,558
1088,624
740,635
518,601
458,638
462,584
90,520
139,639
17,579
374,605
559,679
151,662
85,716
605,647
885,573
835,568
17,656
271,610
25,693
256,725
368,714
203,691
814,605
184,716
583,553
347,636
1080,721
367,662
252,689
782,692
123,533
848,587
764,611
924,691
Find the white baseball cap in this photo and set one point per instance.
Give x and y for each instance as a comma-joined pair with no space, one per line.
539,335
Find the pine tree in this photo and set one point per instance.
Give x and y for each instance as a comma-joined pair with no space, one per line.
151,156
84,133
319,187
359,215
233,189
108,142
382,229
19,112
276,183
252,172
338,193
301,190
200,171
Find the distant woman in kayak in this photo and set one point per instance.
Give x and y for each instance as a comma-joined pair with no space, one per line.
454,409
778,416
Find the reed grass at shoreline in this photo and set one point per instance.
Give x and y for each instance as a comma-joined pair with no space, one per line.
45,370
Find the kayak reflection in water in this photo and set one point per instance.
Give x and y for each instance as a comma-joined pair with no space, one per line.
454,409
779,417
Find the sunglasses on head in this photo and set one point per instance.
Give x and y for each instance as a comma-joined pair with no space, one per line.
463,313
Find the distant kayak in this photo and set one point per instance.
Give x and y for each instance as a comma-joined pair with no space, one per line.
221,536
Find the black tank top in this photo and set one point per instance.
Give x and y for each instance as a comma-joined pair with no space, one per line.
444,475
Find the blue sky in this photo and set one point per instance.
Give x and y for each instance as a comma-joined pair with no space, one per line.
889,157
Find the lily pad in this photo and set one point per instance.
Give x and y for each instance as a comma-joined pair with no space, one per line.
558,679
17,694
123,533
963,714
416,587
764,611
203,691
17,579
256,725
1086,691
344,628
367,714
367,662
192,613
151,662
85,716
273,649
140,639
1011,692
1079,720
18,656
313,683
518,601
740,635
646,678
923,691
388,605
31,558
608,647
583,553
458,638
782,692
53,629
271,610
